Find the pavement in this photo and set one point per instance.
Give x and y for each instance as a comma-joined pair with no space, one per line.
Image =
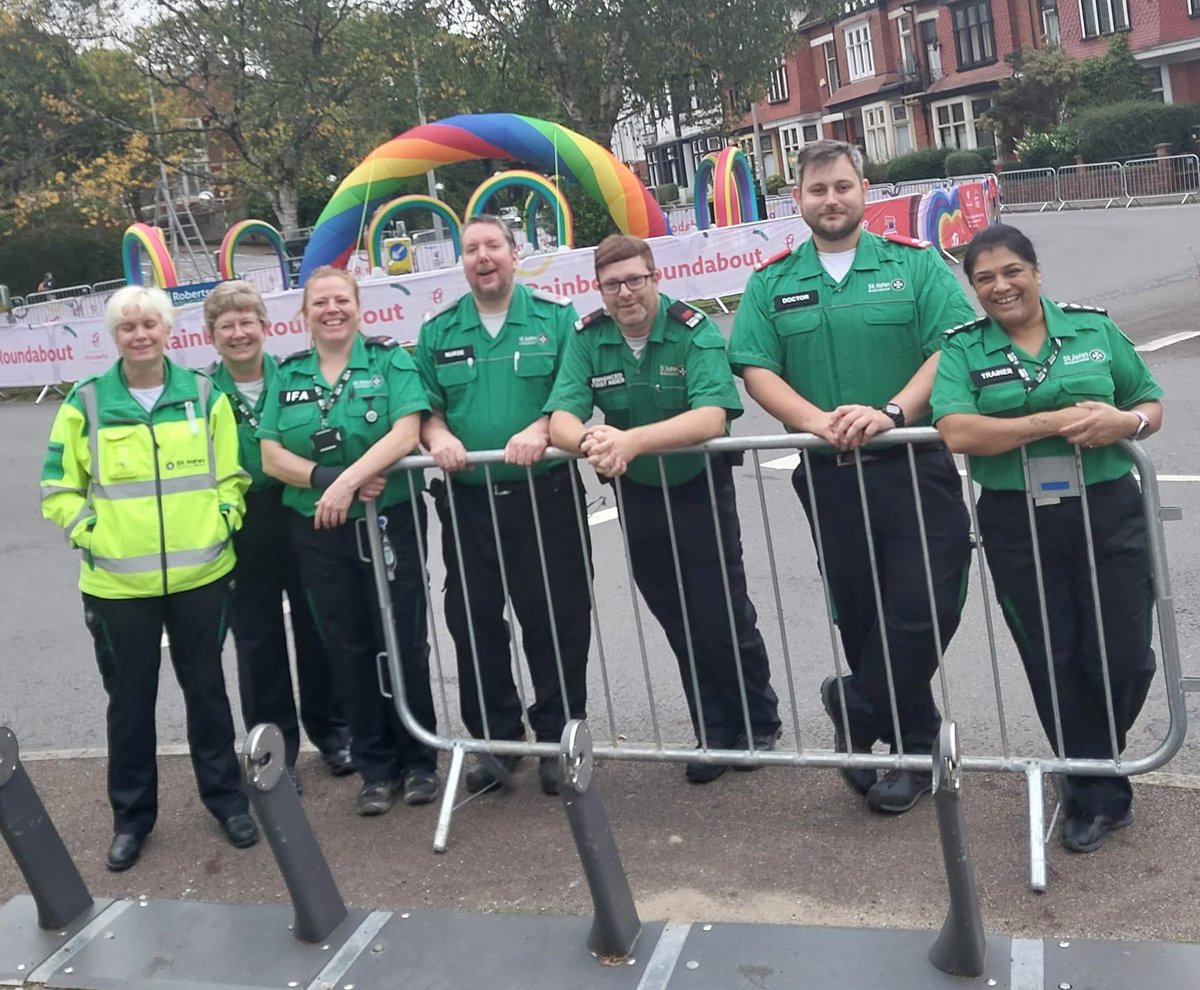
778,845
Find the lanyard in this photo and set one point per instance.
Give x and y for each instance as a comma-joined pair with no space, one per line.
1033,381
243,410
327,406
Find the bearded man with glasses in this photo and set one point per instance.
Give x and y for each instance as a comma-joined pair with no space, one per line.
657,369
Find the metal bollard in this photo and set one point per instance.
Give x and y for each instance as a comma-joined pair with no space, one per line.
961,947
316,901
616,926
58,890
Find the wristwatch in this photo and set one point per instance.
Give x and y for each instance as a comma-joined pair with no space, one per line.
1143,424
894,412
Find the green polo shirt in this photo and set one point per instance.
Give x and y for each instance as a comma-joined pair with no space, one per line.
248,416
1096,361
855,341
383,387
489,389
681,368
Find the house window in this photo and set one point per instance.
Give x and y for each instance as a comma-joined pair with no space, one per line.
831,69
791,143
1193,8
810,132
875,127
974,41
778,90
1154,78
1051,34
901,129
908,61
747,146
858,52
955,122
932,47
1103,16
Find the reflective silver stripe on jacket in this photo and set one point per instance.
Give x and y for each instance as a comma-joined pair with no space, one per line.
148,489
153,561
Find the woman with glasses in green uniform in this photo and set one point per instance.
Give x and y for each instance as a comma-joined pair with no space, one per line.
1058,380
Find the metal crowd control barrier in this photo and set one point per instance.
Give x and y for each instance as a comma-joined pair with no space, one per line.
1173,177
656,727
1029,187
1097,182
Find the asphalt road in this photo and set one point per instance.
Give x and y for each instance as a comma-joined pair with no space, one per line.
1140,263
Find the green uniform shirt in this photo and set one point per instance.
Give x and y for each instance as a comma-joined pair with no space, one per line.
383,387
857,341
684,366
248,417
1096,361
489,389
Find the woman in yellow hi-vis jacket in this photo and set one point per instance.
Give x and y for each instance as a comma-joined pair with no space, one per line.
142,472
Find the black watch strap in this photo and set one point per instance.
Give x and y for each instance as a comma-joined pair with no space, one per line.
893,412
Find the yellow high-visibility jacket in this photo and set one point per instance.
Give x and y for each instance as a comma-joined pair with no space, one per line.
151,498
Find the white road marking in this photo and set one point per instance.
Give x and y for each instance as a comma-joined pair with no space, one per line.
1167,341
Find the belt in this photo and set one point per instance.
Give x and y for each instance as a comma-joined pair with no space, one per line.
556,478
848,458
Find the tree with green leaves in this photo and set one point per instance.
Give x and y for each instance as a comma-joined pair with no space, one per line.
1114,77
1034,98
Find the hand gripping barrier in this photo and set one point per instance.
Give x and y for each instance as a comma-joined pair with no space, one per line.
58,890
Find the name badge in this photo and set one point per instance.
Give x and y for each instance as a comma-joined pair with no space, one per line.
993,376
611,380
297,396
454,354
794,300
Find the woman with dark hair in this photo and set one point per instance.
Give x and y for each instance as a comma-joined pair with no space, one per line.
1039,394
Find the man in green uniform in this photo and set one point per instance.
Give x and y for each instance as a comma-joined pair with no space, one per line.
839,338
488,361
236,321
657,369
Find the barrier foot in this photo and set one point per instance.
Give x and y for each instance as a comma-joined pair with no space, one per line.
441,835
961,947
58,890
1035,783
46,389
616,926
316,902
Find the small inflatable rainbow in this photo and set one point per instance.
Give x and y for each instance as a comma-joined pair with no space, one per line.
734,202
542,187
139,239
239,232
390,210
550,147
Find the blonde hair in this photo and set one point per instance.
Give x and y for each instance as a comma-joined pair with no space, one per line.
231,297
146,299
328,271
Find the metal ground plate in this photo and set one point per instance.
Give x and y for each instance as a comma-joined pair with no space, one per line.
1083,964
438,950
196,946
24,946
787,957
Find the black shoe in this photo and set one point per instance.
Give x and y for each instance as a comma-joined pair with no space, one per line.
1086,832
899,791
480,777
375,798
124,851
762,744
860,781
240,830
704,773
339,761
421,787
548,774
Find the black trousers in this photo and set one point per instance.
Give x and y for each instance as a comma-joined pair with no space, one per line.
906,618
347,609
127,633
713,695
476,619
266,569
1127,605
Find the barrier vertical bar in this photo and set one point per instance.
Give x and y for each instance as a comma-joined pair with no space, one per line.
615,926
316,901
961,947
58,890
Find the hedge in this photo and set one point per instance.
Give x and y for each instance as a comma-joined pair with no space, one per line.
928,163
967,163
1130,130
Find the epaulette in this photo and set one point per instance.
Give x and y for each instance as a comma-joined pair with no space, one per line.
965,326
1080,308
296,356
435,313
382,341
595,316
550,297
681,312
771,260
915,242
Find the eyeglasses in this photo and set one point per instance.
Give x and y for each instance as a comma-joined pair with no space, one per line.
245,324
612,286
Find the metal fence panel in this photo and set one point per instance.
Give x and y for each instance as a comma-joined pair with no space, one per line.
1098,182
1174,177
1029,187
